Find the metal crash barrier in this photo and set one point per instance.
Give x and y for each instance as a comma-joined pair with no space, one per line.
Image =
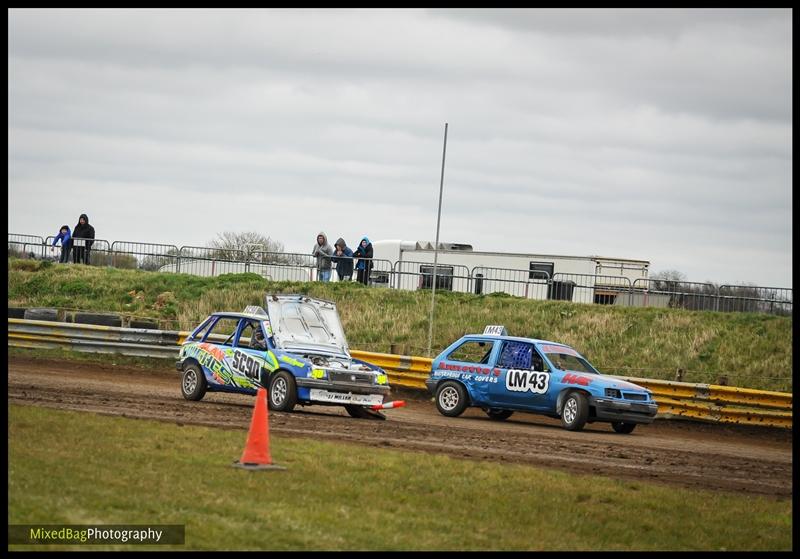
676,400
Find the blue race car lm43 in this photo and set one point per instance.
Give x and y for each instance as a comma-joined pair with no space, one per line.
296,349
502,374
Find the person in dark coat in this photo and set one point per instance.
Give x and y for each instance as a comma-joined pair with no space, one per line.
364,265
80,250
343,257
65,236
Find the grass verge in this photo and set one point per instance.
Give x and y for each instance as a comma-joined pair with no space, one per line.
80,468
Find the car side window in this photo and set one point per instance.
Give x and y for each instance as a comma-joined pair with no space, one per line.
516,355
251,336
472,352
223,331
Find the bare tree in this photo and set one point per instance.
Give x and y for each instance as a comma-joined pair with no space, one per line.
668,275
239,246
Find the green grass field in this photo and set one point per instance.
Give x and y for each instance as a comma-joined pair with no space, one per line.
751,350
78,468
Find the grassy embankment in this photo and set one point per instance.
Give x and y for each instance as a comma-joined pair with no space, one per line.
340,496
751,350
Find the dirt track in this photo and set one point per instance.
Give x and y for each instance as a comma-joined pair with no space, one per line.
753,460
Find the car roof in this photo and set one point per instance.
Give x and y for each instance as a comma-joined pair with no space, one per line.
240,315
514,339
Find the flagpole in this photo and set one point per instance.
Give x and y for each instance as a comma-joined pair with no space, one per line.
436,246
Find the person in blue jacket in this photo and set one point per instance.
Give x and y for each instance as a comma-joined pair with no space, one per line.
364,265
65,236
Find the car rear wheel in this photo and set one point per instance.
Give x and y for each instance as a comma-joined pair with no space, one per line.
282,392
624,428
193,382
451,398
575,411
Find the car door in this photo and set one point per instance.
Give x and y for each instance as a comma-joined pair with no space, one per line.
216,346
249,351
469,363
524,379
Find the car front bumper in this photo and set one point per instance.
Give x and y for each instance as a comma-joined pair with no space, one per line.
626,412
340,386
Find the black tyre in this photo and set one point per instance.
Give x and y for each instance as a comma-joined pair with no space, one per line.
360,412
98,318
575,411
498,415
624,428
282,392
451,398
193,382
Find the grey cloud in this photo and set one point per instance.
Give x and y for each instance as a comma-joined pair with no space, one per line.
673,123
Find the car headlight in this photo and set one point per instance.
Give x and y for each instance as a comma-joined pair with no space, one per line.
613,393
317,373
381,379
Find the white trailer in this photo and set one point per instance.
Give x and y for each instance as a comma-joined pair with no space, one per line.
591,279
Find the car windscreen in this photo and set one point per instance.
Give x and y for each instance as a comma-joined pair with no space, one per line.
566,362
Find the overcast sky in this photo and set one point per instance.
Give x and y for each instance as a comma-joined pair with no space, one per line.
661,135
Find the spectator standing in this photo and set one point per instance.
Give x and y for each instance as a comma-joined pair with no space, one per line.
81,249
364,265
323,251
343,257
65,236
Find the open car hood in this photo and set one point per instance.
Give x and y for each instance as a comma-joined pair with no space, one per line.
301,323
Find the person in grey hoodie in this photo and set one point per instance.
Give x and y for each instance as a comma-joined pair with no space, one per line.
323,251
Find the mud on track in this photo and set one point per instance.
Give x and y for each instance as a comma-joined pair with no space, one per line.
752,460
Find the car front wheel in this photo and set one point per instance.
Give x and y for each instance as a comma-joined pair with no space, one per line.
624,428
575,411
451,399
193,382
282,392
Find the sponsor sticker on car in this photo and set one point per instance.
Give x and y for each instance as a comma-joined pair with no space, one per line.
346,397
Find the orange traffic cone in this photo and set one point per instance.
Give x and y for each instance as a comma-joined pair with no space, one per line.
256,451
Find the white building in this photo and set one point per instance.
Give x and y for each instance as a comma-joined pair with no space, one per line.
596,279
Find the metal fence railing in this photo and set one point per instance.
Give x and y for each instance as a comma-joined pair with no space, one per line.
283,266
531,284
419,275
95,252
205,261
411,275
589,288
688,295
143,256
742,298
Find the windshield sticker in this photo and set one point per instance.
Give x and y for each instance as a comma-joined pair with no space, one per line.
518,380
558,349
